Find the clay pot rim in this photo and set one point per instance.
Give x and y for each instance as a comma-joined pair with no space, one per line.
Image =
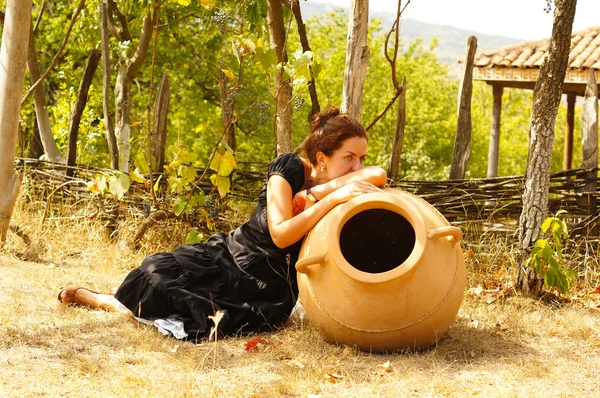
384,201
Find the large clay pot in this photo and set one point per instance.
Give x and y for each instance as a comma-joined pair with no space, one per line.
383,271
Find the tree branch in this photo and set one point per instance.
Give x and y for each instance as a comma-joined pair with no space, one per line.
58,54
39,18
294,5
122,34
142,49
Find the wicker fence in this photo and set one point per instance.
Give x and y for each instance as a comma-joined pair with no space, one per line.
491,201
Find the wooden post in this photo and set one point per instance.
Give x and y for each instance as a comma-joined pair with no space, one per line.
161,109
462,141
399,134
494,147
78,108
589,138
357,58
568,149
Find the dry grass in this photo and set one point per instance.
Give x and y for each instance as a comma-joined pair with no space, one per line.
500,345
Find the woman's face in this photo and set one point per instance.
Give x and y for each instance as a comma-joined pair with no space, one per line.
348,158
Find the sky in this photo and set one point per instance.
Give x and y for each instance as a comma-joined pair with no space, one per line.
520,19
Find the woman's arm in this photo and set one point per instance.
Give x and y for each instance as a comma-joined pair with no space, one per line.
287,228
373,174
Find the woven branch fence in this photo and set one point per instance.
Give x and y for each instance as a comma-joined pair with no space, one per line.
492,202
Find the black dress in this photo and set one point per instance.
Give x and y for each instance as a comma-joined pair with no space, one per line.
242,273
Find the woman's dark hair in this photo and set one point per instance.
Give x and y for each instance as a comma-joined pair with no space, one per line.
328,131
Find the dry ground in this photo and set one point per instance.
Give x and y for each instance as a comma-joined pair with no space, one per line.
500,345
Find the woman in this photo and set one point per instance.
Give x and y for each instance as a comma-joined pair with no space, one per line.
249,274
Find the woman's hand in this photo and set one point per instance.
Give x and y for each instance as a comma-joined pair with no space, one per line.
299,203
353,190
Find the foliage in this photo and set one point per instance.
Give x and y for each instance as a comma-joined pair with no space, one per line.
546,258
196,40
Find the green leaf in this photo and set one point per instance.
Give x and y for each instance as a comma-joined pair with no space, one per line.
141,162
176,184
156,184
267,59
302,74
137,176
179,205
546,224
222,184
118,185
183,2
547,253
194,236
200,198
315,68
188,173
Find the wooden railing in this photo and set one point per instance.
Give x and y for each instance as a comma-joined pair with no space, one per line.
474,201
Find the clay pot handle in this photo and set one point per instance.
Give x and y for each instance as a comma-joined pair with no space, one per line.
303,264
454,232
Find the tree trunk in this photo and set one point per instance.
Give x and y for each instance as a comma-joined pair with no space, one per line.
161,110
494,147
589,138
109,130
226,109
283,106
462,142
13,59
78,108
126,71
357,58
123,116
39,98
399,134
546,99
36,150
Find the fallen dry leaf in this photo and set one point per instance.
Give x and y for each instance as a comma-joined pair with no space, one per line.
254,343
386,367
334,377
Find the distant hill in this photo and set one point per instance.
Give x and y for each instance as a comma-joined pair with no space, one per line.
452,41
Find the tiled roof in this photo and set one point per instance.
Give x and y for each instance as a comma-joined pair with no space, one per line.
584,53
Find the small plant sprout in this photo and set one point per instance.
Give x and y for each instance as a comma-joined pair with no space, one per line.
546,258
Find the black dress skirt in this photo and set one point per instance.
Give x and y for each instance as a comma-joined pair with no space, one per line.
243,273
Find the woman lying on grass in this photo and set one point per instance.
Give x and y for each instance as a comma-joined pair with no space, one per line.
249,274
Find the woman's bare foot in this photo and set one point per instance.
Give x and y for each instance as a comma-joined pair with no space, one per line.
78,295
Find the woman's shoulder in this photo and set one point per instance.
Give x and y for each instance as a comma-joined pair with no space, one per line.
286,162
290,167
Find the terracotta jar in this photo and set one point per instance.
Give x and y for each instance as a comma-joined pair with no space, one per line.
383,271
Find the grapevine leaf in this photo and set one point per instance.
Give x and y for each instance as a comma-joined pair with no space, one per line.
222,184
118,185
137,176
179,205
194,236
223,164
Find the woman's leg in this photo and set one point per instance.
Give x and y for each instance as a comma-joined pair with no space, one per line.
80,295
